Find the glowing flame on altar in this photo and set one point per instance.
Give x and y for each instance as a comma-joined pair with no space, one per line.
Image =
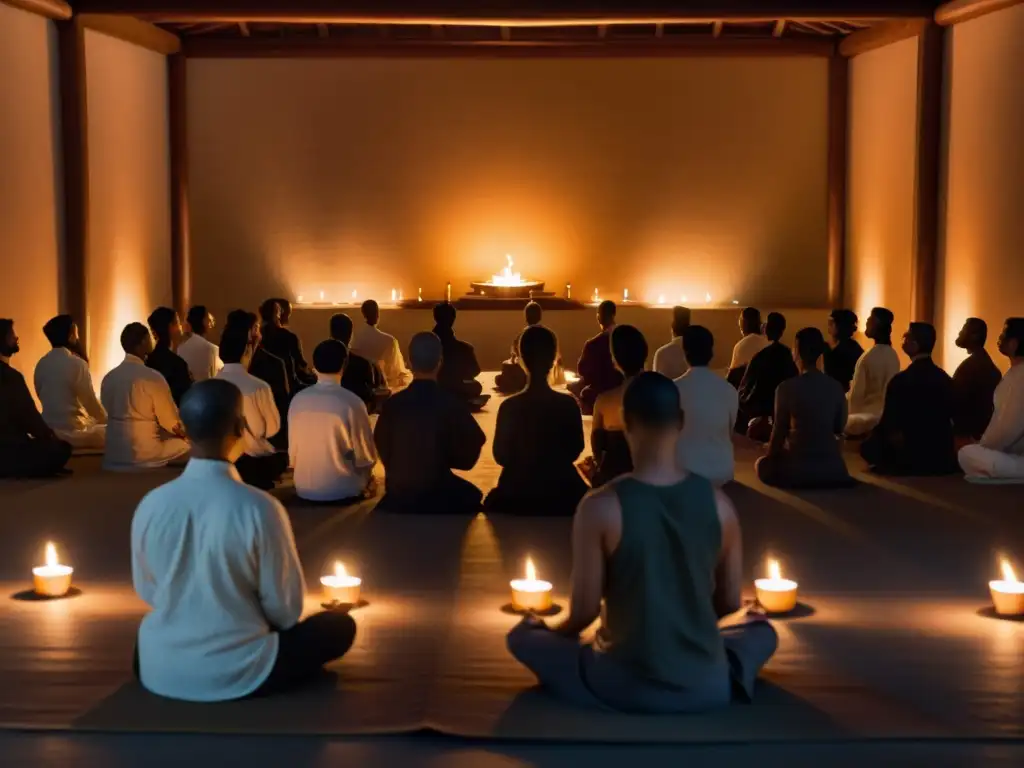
339,569
531,572
774,572
1008,573
51,555
507,276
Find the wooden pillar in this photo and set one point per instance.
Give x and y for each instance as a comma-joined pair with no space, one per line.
838,137
74,149
926,184
180,246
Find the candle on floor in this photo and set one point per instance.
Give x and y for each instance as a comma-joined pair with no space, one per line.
531,594
775,594
340,587
1007,592
52,579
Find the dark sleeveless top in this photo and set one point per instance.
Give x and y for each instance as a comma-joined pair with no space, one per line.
659,617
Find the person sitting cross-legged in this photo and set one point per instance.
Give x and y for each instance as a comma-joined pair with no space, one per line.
596,369
974,382
810,412
459,368
752,342
661,548
538,437
422,434
260,465
915,434
999,456
361,377
607,431
766,370
872,374
215,560
513,377
330,440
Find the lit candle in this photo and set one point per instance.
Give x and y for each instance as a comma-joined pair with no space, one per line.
625,294
339,587
394,295
597,297
298,299
321,295
1007,593
52,579
419,294
568,291
682,299
570,377
355,294
661,298
775,594
735,302
707,298
448,292
531,594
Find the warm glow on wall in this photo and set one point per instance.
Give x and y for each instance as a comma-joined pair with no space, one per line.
126,300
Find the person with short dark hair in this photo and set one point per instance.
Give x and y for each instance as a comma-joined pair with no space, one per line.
974,382
607,431
28,446
710,406
197,350
260,464
363,378
380,348
670,360
872,374
143,426
766,370
915,433
752,342
538,437
804,450
65,389
657,555
422,434
999,455
459,367
166,327
216,562
330,439
841,359
265,365
596,368
281,341
513,376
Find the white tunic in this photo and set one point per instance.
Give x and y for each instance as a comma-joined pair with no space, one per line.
383,349
670,360
1005,431
70,407
330,442
746,348
215,560
262,419
141,418
871,375
202,356
709,405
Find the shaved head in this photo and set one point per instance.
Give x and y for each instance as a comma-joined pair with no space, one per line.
212,413
425,353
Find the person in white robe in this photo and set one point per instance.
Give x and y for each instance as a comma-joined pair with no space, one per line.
670,360
380,348
143,428
752,342
872,374
65,390
999,455
201,354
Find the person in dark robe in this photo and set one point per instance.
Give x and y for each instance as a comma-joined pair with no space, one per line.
281,342
607,434
596,369
974,382
915,433
766,370
459,367
841,358
361,377
28,448
268,367
810,412
538,438
422,434
166,327
513,377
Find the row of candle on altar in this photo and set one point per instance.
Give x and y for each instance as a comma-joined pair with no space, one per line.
398,297
774,593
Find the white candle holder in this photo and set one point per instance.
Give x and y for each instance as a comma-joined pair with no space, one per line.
339,587
1007,592
531,593
776,594
52,579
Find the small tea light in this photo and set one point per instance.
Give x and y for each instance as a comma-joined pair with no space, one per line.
661,298
775,594
52,579
570,377
419,294
1007,592
707,298
339,587
531,594
448,292
625,294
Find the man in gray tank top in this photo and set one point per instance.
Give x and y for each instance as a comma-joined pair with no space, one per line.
661,547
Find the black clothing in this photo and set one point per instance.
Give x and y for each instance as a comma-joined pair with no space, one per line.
974,387
841,359
173,368
284,344
459,367
28,448
363,378
611,455
268,367
768,368
262,471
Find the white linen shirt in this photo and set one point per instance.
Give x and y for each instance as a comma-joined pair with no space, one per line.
262,419
871,375
709,405
215,559
1006,430
746,348
382,348
64,387
670,360
141,417
202,356
330,442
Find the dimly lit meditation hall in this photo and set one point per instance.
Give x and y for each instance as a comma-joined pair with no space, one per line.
511,382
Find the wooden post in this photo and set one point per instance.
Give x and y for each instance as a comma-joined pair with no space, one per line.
180,244
926,182
74,148
838,137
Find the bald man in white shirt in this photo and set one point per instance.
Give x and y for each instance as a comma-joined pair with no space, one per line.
200,353
380,348
225,616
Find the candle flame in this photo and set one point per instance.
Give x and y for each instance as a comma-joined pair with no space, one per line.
596,296
419,294
51,555
321,295
531,572
1008,574
394,294
707,298
625,294
774,572
682,299
661,298
354,294
507,276
339,569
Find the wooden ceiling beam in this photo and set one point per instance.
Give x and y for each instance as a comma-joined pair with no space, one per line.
243,28
51,9
957,11
323,31
717,27
780,27
507,12
131,31
880,35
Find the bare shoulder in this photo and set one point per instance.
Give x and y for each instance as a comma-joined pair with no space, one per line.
599,508
726,512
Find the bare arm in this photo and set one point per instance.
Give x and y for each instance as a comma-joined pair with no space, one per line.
729,572
593,520
780,429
